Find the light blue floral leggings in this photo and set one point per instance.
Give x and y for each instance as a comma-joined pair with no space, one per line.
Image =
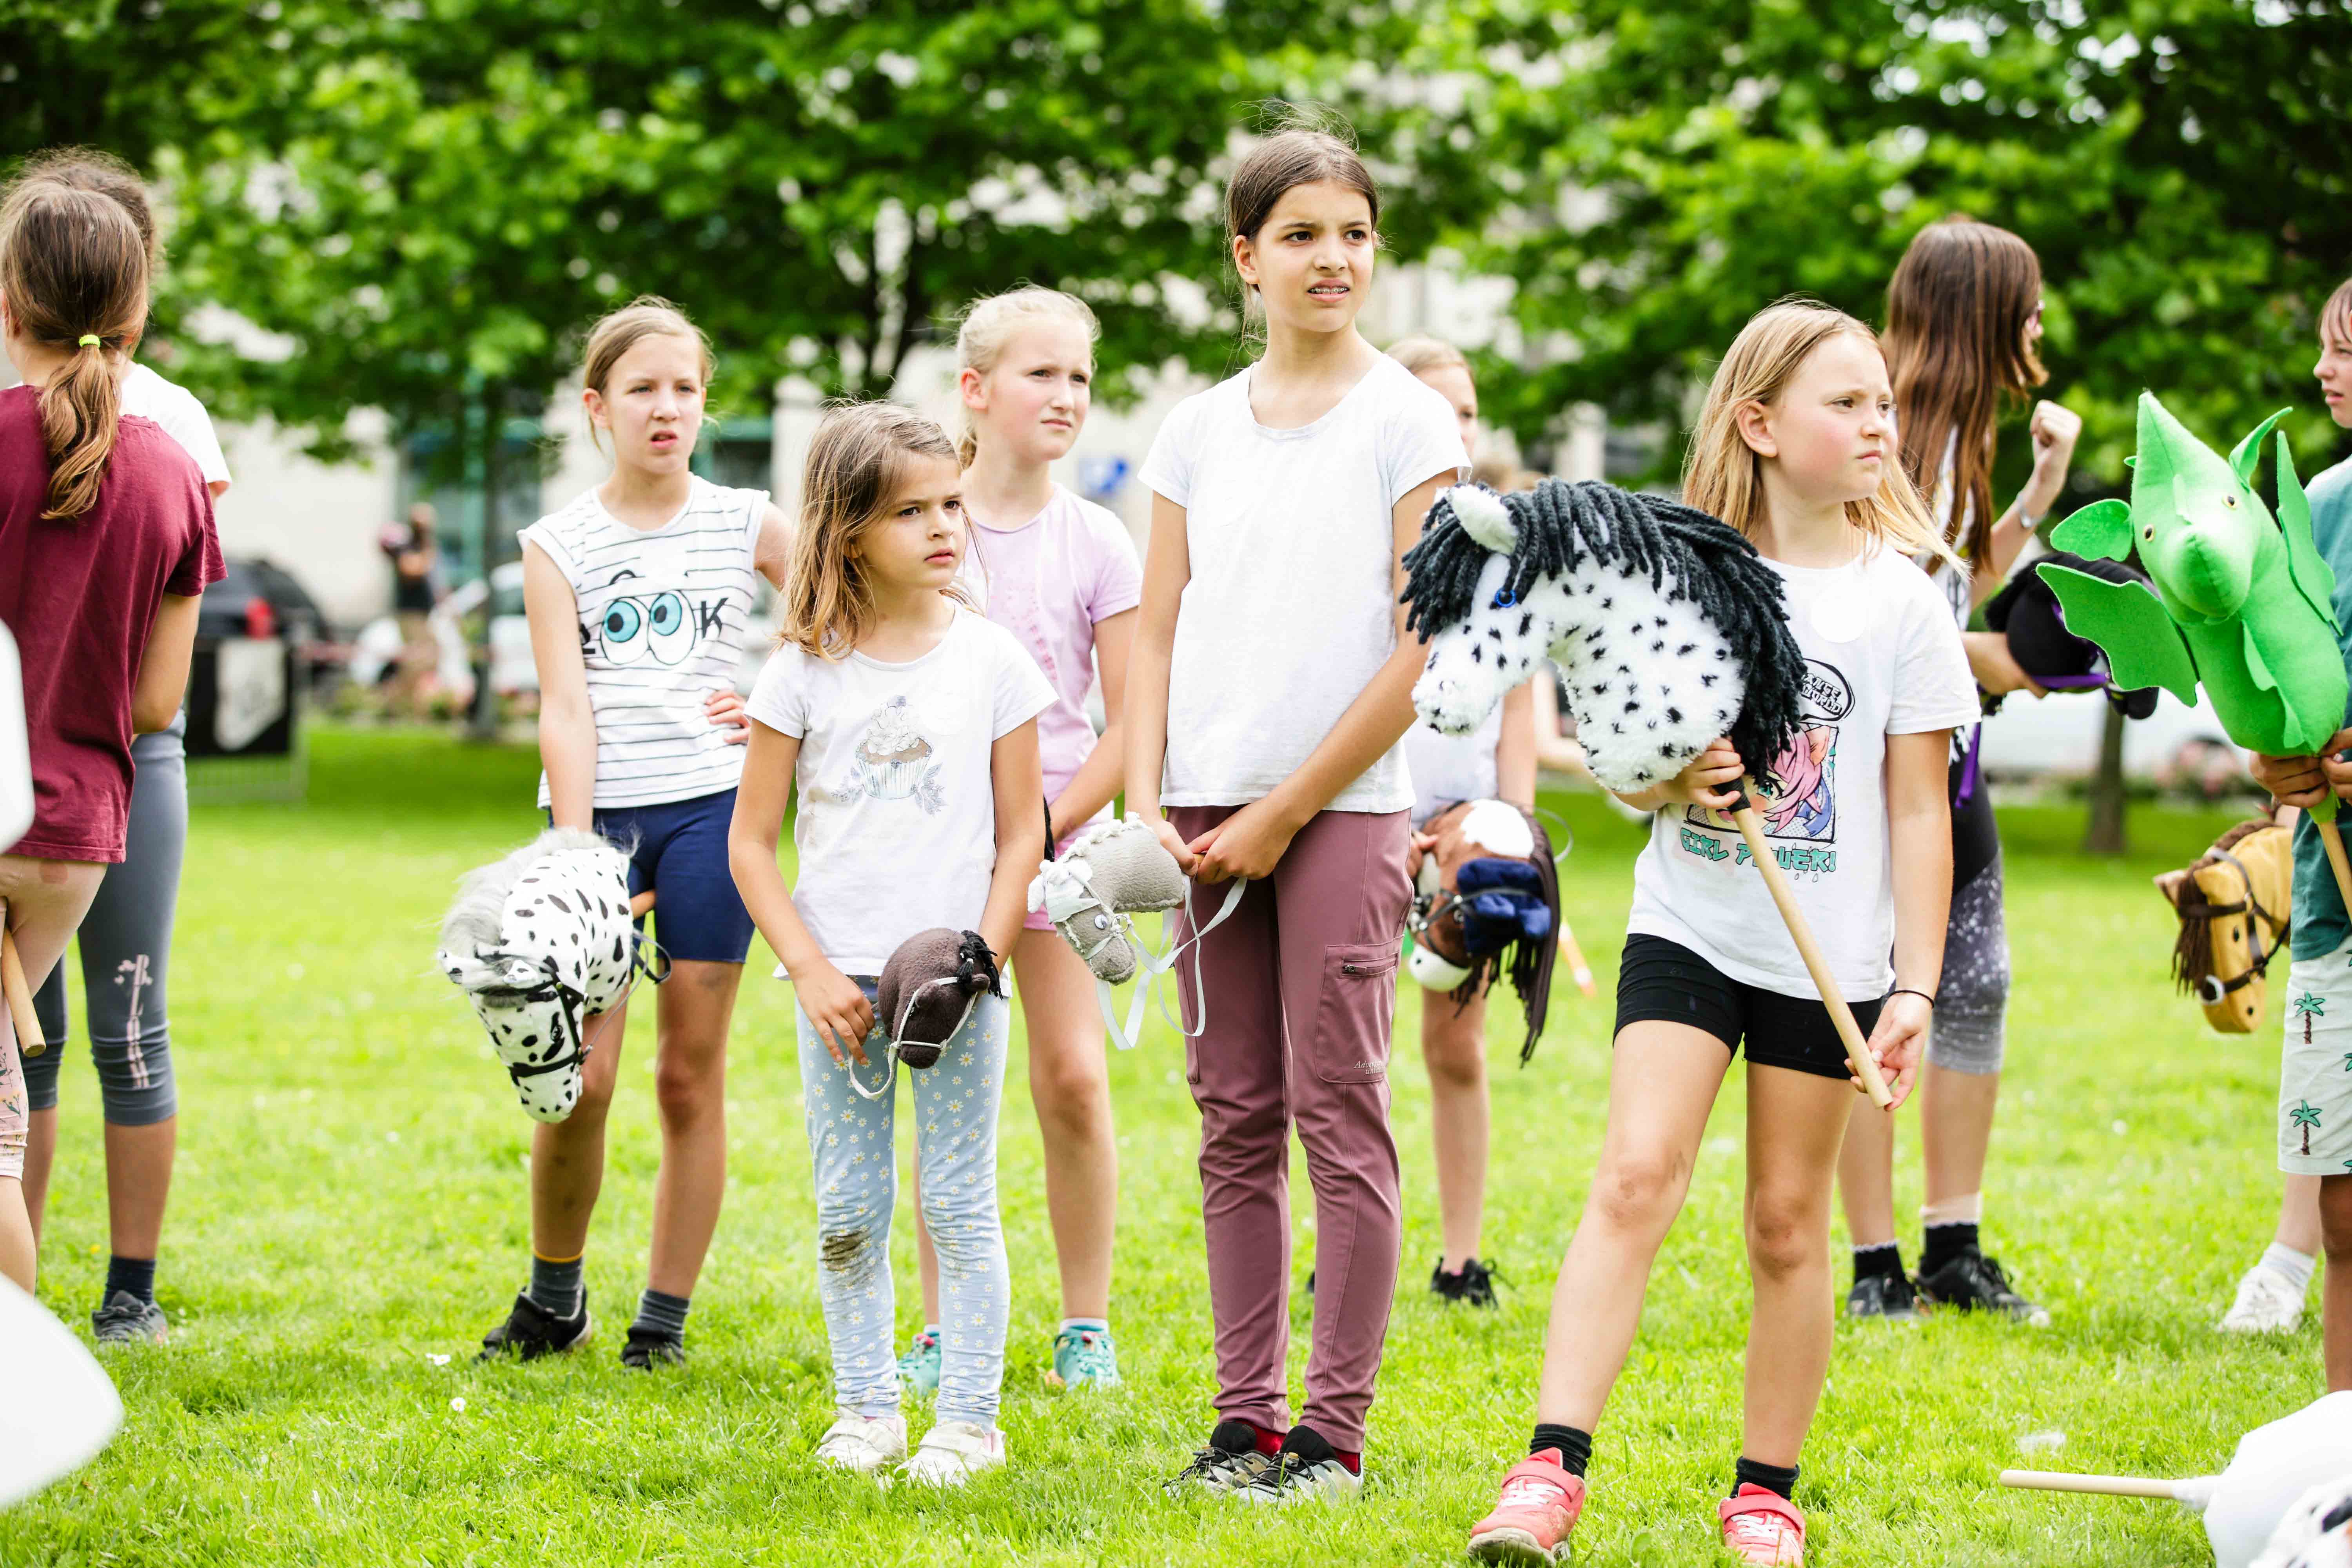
853,1147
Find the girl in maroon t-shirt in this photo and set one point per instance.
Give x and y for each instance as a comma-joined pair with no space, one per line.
106,542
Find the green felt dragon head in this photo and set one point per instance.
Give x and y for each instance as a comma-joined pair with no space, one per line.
2243,603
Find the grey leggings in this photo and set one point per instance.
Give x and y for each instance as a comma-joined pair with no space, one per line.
126,952
853,1148
1972,999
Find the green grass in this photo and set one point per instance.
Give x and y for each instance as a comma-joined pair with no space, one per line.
350,1204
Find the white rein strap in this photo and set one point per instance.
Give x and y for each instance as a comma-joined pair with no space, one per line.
898,1038
1152,968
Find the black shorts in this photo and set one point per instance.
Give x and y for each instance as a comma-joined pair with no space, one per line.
1665,981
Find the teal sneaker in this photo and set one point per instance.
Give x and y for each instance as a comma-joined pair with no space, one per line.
1084,1358
919,1369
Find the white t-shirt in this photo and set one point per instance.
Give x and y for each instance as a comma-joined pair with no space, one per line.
1291,608
1958,588
661,616
1447,768
897,828
184,419
1884,659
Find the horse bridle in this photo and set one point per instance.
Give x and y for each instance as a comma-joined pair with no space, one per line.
572,1004
2212,988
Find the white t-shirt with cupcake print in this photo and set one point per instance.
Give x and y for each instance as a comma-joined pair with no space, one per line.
897,829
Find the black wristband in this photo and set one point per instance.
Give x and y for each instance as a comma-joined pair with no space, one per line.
1927,998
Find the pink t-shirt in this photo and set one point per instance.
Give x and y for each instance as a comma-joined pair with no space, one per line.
1048,582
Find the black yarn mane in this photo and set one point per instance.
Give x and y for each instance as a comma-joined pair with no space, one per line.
1527,962
1562,526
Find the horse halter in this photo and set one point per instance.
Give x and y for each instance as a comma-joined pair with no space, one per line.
2212,988
571,1002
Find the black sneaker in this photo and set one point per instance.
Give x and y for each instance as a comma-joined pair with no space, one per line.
1970,1281
1472,1285
531,1331
1888,1296
1229,1461
650,1348
125,1319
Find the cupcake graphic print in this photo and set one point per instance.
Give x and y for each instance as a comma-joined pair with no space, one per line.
895,763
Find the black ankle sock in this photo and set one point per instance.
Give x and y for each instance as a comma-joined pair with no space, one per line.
1945,1242
136,1274
663,1314
1772,1477
1885,1259
555,1288
1575,1447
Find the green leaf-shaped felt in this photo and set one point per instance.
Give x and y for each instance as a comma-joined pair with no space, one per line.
2128,623
2101,529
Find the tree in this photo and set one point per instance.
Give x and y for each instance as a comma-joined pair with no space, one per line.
441,203
2181,167
2307,1006
2305,1115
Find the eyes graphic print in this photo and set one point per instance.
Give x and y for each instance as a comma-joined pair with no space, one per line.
638,626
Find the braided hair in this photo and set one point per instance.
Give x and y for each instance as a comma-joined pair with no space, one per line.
1564,528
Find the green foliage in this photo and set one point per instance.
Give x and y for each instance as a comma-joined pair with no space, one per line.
2182,166
445,196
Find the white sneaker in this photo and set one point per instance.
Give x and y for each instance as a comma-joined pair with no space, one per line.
953,1452
863,1443
2267,1303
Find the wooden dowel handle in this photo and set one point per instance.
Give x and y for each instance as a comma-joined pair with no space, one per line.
2331,838
19,993
1575,964
2103,1486
1857,1051
641,903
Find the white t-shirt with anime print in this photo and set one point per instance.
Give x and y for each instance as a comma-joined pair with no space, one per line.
1883,658
662,611
897,828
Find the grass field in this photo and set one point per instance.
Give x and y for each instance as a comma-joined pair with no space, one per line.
350,1210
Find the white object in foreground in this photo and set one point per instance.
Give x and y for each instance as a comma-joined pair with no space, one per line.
2274,1467
61,1408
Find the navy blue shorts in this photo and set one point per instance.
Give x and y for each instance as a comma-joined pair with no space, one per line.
680,852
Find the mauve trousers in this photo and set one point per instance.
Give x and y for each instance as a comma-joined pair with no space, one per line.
1300,991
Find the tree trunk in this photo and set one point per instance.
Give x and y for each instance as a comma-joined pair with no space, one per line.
2108,800
482,719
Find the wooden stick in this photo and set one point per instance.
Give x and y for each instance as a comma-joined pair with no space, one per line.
2105,1486
19,993
641,903
1575,964
2331,838
1857,1053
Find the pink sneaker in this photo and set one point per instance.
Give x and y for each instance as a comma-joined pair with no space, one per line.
1531,1520
1759,1525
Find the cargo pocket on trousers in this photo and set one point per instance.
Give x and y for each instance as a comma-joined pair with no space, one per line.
1350,1043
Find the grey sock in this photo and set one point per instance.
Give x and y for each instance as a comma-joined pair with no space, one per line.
556,1287
662,1314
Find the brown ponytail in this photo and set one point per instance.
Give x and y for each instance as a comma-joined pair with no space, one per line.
73,273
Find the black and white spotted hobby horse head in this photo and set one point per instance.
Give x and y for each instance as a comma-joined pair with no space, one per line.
1668,628
537,941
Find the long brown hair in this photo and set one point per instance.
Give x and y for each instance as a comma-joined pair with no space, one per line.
73,269
88,169
1724,476
1957,310
855,462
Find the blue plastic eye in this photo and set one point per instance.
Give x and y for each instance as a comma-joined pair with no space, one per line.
1505,599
